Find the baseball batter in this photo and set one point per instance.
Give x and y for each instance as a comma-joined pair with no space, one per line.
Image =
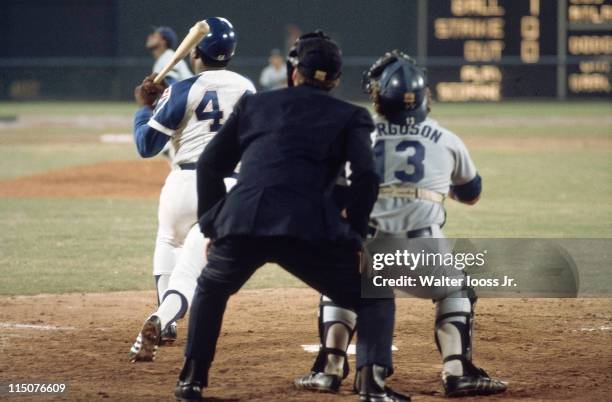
189,113
418,163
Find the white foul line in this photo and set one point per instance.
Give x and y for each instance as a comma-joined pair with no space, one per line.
350,351
34,326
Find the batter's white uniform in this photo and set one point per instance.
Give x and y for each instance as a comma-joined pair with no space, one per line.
190,112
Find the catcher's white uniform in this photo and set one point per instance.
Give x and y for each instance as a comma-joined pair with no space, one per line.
426,156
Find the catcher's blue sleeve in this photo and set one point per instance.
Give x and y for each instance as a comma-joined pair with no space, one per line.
468,191
149,142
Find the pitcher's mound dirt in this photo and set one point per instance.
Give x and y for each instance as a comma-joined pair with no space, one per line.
546,349
117,179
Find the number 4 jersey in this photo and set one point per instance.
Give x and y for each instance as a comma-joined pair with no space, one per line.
425,156
193,110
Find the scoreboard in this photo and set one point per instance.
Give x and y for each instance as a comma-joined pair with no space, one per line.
488,50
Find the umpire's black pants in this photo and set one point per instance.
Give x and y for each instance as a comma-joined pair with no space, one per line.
330,268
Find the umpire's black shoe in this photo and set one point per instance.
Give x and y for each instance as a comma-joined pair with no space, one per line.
193,377
475,382
144,348
321,382
188,392
168,335
370,383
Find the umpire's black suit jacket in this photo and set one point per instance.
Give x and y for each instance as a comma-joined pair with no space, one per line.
292,144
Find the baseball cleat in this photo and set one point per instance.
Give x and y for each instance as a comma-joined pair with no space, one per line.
321,382
370,384
477,383
145,347
168,335
188,392
193,377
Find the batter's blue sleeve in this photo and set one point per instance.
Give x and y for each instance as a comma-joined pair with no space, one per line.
149,142
170,110
170,80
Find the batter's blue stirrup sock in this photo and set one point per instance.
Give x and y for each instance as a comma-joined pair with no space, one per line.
173,307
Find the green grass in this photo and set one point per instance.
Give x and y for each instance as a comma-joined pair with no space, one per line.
68,245
561,187
537,193
67,108
25,159
65,245
520,109
442,110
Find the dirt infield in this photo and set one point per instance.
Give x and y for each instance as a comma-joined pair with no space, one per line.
546,349
117,179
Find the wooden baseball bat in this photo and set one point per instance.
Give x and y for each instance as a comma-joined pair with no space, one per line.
195,35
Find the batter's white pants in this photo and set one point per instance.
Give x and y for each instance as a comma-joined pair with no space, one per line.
181,247
177,213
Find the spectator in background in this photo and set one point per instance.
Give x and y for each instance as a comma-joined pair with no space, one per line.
274,75
161,43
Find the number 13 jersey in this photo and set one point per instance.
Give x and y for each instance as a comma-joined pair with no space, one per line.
193,110
423,155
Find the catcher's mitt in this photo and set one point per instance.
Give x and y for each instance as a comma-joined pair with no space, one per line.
147,93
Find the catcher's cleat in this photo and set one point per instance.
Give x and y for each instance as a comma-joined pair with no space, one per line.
145,347
370,384
476,383
168,335
320,382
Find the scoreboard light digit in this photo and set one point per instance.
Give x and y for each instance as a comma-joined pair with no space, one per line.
530,51
530,33
534,7
530,27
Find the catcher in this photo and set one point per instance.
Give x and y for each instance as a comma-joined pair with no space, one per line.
414,155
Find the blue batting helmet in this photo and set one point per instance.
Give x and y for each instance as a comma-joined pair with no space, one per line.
398,87
220,42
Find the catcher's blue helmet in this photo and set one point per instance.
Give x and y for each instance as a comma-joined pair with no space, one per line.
220,43
399,88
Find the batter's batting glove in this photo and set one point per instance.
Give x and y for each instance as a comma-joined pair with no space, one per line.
147,93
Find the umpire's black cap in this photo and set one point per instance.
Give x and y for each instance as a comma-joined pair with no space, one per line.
318,57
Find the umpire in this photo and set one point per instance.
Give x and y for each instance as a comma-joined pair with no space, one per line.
292,143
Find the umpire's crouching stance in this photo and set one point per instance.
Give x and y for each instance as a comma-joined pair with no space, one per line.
292,143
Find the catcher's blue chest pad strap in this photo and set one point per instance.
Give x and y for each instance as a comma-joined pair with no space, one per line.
149,142
470,190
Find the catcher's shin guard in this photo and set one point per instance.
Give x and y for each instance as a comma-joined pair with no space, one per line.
453,334
336,329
